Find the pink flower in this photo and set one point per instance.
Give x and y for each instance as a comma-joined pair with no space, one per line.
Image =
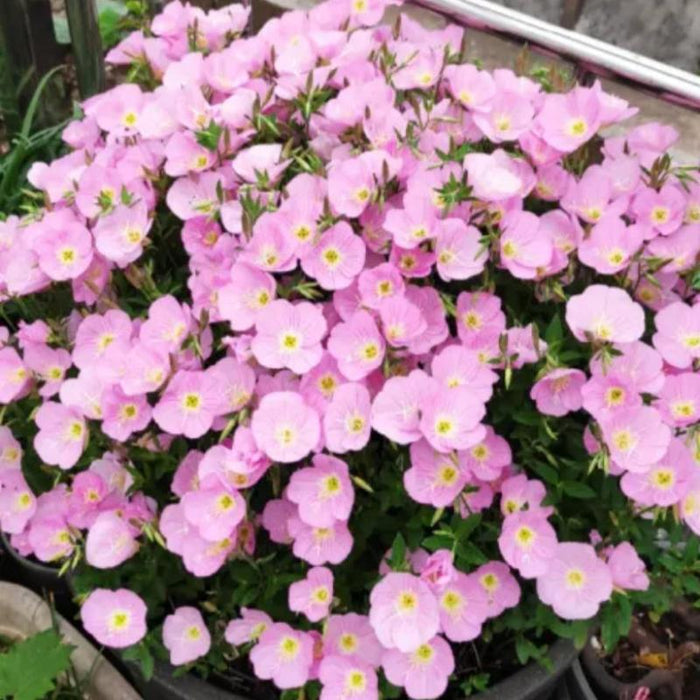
250,292
497,176
396,408
283,656
479,317
62,435
569,120
347,679
122,414
604,396
214,510
167,325
679,399
260,163
357,345
464,608
185,635
509,117
189,405
501,588
116,619
49,364
559,392
459,367
437,570
350,186
195,195
473,88
434,478
14,377
638,363
320,545
402,321
605,314
487,459
663,210
379,283
121,234
628,571
289,335
271,248
17,502
336,259
66,253
666,482
450,420
423,672
352,636
610,245
109,541
636,438
528,543
103,339
120,109
677,335
346,420
524,249
313,595
403,612
459,251
50,538
285,427
10,450
248,627
520,493
576,582
323,493
413,224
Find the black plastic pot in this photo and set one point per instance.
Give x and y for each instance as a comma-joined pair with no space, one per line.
603,685
577,684
38,577
164,686
534,682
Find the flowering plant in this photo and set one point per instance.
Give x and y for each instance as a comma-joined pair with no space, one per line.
327,352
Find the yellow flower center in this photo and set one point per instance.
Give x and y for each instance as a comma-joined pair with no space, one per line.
472,320
490,582
663,478
406,602
119,620
356,680
332,257
615,396
575,578
193,633
320,595
524,536
423,655
577,127
451,601
288,648
683,409
348,643
191,401
624,440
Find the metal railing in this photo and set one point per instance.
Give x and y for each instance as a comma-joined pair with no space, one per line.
588,54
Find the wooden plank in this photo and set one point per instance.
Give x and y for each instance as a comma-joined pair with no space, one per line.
87,46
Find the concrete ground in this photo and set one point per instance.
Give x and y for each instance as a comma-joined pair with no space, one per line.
667,30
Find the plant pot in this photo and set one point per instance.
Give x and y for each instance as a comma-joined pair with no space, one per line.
36,576
23,613
605,685
577,684
534,682
164,686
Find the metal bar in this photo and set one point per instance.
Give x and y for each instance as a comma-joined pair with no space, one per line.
597,57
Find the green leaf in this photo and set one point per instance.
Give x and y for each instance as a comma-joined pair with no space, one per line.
576,489
28,671
397,560
554,331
